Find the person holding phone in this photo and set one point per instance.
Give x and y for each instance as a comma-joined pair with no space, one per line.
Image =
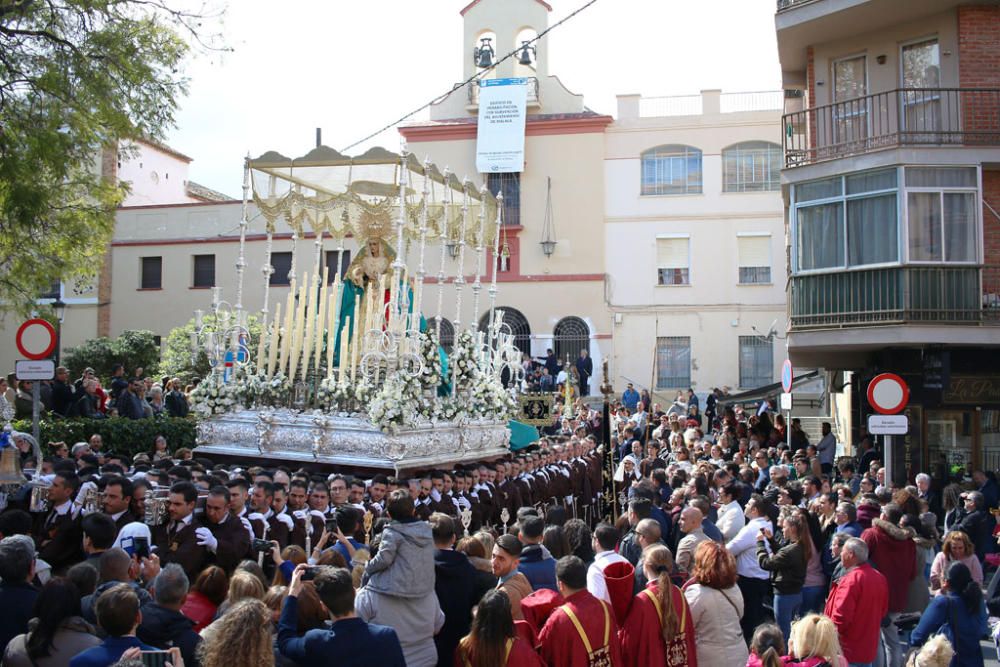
118,615
350,641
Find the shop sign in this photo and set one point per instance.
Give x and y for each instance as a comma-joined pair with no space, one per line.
971,390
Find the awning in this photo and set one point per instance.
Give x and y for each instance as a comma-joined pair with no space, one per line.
767,392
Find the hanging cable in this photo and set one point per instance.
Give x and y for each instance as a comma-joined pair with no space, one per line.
471,79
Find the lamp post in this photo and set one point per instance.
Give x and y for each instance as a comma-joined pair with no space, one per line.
59,308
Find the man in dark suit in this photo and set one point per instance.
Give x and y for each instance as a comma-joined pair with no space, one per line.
225,539
17,595
349,641
59,538
585,367
456,585
129,404
177,541
117,501
62,393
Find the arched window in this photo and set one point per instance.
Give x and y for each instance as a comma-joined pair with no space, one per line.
514,322
571,335
751,166
447,339
671,170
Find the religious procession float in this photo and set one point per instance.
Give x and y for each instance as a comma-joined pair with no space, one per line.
346,370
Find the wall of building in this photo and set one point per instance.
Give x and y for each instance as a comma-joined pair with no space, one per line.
155,176
714,310
887,42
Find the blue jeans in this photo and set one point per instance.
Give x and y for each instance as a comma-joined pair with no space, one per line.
786,607
813,599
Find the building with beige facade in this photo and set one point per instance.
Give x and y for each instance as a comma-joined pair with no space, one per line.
694,241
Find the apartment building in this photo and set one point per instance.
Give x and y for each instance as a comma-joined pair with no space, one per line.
694,241
891,184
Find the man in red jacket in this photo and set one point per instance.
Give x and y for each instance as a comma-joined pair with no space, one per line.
857,603
893,553
582,632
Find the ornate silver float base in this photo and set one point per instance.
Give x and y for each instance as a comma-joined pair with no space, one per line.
347,440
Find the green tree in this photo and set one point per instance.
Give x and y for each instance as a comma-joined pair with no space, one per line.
177,360
76,77
132,349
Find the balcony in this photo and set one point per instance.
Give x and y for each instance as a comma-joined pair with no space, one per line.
895,118
890,296
533,100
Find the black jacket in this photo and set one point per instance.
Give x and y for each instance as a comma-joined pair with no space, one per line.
165,628
787,565
17,601
62,397
177,405
458,591
978,525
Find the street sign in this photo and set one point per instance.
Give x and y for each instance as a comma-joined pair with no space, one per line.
43,369
888,424
888,393
786,401
36,339
786,376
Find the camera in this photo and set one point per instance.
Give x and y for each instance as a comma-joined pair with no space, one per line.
331,525
261,546
140,546
309,574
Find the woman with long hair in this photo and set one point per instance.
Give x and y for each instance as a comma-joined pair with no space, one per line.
787,562
554,539
243,637
951,503
961,609
957,547
658,629
491,641
814,643
207,593
56,632
716,607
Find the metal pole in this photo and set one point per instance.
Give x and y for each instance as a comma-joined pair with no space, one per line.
887,455
36,399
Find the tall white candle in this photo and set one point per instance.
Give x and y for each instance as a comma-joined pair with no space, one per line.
272,356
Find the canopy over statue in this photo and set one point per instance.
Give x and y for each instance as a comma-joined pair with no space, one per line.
355,349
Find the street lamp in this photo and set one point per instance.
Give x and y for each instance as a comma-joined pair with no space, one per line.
59,308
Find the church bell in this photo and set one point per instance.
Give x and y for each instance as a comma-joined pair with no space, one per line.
10,466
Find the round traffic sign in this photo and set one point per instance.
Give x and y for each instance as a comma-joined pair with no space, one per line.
888,393
36,339
786,376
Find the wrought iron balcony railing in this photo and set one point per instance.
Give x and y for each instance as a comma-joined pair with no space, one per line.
902,117
894,295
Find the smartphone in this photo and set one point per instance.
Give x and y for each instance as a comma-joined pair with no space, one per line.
309,574
154,658
261,546
140,546
331,526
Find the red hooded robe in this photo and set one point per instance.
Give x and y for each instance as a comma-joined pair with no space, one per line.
642,636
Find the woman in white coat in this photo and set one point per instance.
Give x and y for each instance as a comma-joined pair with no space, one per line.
716,607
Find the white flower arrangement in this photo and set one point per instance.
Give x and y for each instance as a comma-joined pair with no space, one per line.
214,397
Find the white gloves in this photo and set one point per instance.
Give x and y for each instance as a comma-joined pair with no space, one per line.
256,516
435,495
246,524
301,515
206,539
287,520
